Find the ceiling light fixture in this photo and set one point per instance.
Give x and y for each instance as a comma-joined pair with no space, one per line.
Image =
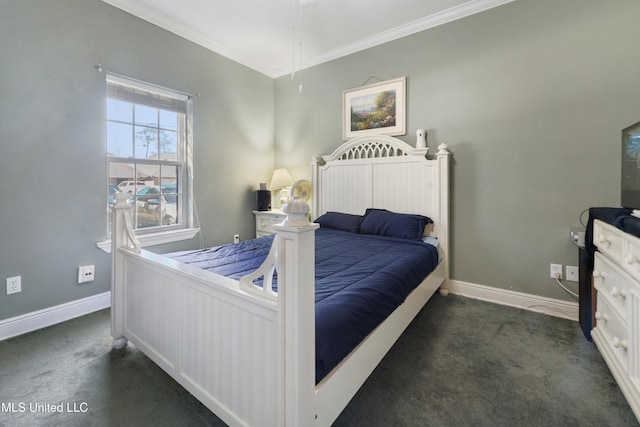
296,6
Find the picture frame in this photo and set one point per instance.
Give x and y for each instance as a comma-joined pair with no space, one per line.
375,109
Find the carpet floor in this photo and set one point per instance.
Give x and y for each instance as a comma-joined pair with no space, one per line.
461,362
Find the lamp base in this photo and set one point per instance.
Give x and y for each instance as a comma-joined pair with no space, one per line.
284,196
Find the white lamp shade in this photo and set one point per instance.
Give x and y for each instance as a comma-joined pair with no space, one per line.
280,179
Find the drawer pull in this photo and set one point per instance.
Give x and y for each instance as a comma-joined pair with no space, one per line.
600,316
618,343
615,292
598,274
604,240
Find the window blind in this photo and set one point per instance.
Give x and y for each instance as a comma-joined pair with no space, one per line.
145,94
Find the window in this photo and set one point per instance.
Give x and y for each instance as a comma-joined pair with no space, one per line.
147,153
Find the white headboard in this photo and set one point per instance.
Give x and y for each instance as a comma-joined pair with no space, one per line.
384,172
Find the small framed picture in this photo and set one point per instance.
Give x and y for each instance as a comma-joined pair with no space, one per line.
375,109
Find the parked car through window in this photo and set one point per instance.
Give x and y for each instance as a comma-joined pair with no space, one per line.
147,152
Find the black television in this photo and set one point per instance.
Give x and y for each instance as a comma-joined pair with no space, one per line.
630,182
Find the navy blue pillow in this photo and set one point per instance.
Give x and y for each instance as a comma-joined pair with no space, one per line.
340,221
382,222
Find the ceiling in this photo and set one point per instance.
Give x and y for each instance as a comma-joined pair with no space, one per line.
277,37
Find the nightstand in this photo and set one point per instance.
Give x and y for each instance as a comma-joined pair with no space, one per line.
265,221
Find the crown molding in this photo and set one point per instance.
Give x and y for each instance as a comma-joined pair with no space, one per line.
187,33
448,15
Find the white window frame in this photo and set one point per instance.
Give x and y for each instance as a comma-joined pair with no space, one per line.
185,229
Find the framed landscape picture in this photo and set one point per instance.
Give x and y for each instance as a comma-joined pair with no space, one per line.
375,109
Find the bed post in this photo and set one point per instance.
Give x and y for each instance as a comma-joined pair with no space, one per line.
316,162
296,313
443,235
122,236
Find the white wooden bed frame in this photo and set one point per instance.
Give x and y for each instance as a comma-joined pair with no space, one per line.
249,354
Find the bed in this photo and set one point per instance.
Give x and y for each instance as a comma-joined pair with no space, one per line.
244,343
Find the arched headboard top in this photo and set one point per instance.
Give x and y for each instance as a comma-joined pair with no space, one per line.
381,172
367,147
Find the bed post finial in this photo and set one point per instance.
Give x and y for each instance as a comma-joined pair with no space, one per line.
122,234
297,211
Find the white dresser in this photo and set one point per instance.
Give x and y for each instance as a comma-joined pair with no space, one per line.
265,221
616,278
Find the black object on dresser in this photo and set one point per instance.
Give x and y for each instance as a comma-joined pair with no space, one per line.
263,199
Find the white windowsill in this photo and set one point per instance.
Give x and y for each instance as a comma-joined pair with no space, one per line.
152,239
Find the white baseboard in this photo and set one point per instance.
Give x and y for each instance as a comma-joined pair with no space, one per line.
50,316
550,306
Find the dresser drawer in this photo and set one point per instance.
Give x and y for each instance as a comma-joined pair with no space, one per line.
263,224
276,219
265,220
614,331
612,284
608,239
631,255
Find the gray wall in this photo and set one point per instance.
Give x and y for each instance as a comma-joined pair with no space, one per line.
530,97
52,139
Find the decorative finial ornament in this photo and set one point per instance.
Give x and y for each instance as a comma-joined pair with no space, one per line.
296,210
443,149
121,199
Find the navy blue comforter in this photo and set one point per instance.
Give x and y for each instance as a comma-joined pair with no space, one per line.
360,280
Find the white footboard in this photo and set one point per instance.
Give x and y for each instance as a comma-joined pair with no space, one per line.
218,344
225,345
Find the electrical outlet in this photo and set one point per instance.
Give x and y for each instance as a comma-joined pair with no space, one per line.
572,273
236,238
577,235
86,273
14,285
556,271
